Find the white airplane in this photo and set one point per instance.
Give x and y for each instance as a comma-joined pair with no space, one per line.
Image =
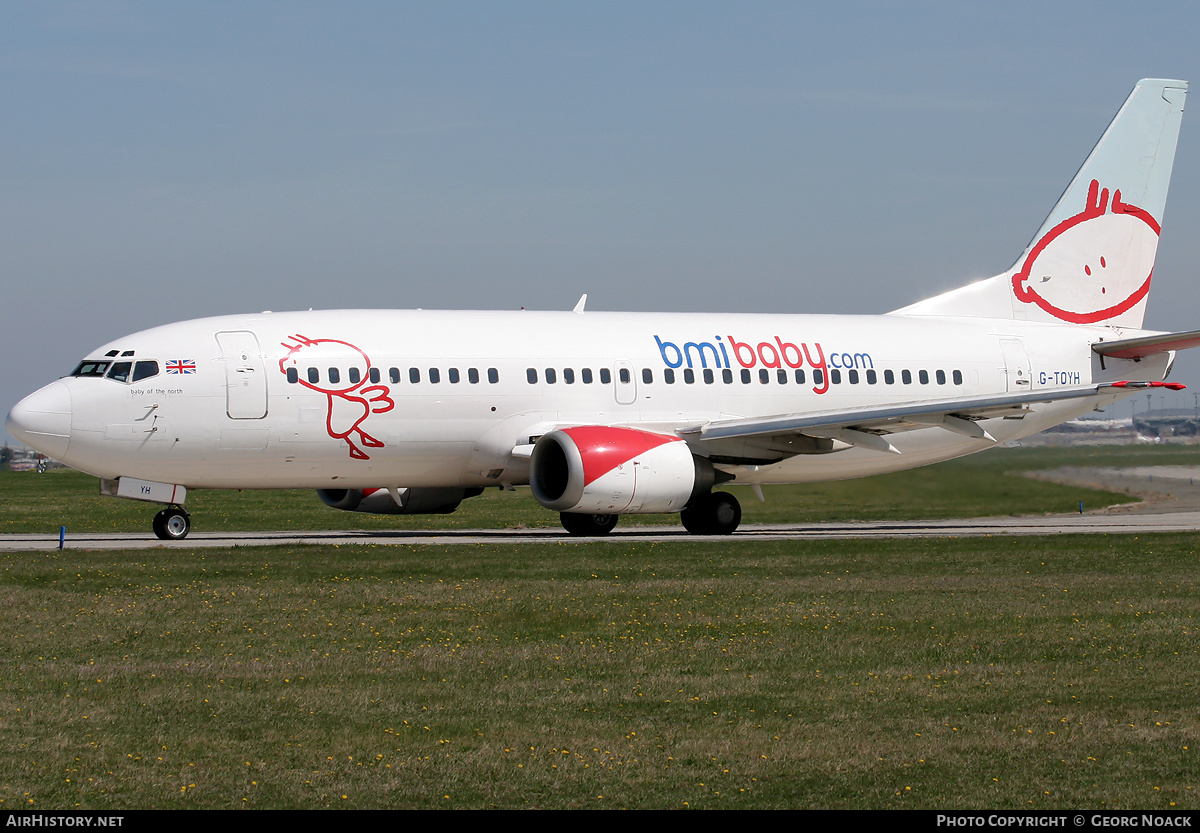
604,414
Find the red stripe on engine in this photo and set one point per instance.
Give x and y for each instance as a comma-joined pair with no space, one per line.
604,448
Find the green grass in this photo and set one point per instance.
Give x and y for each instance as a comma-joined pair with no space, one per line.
985,484
991,673
1007,673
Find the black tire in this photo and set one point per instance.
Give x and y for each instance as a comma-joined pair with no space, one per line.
695,517
172,524
717,513
587,524
725,513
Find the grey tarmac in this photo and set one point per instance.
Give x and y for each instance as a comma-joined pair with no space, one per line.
1171,503
1123,524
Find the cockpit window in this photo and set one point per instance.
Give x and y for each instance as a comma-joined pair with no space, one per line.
91,367
117,371
144,370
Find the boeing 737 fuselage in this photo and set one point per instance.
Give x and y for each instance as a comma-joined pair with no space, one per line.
604,414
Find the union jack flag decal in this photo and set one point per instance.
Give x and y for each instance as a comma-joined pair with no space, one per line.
181,366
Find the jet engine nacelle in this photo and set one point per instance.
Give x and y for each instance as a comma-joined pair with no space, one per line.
428,501
603,470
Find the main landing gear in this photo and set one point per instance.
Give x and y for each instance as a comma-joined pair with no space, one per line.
716,513
172,524
587,525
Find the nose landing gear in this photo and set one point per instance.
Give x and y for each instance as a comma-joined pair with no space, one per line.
172,524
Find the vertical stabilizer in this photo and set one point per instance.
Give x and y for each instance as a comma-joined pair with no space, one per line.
1092,260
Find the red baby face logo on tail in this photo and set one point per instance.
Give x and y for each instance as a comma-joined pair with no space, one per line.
1093,266
342,370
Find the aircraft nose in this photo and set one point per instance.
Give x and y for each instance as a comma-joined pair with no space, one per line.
42,420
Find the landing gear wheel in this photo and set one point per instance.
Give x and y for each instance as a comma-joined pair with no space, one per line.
172,524
717,513
586,524
725,513
695,518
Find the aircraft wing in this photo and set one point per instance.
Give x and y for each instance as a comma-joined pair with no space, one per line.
1136,348
769,439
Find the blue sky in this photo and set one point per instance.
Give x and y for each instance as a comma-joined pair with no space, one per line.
164,161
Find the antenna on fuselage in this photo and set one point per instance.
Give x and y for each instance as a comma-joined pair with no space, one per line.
579,307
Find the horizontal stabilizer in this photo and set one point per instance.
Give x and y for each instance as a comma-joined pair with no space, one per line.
1137,348
1141,385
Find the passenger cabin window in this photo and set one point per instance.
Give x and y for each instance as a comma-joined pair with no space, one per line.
452,375
623,373
605,376
586,375
494,375
355,375
473,375
314,375
435,375
647,375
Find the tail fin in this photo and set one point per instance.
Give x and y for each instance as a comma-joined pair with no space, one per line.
1092,260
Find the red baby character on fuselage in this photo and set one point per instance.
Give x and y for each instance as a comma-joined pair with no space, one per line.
350,403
